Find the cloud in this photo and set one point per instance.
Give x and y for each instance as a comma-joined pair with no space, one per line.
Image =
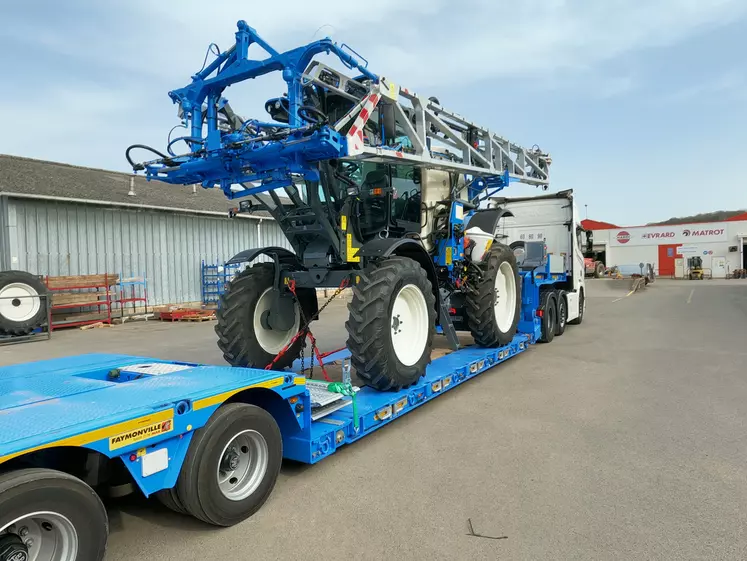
730,84
115,62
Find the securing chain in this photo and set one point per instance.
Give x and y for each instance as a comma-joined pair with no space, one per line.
305,332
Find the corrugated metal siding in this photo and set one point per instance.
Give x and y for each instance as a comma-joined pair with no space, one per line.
4,235
75,239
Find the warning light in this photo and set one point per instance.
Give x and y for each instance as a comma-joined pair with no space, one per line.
293,399
376,191
383,414
400,405
452,311
540,313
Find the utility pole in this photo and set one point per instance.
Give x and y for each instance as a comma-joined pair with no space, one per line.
586,207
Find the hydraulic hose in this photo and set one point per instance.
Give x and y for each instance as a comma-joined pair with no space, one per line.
140,167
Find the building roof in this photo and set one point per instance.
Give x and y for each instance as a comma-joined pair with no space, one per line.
41,178
597,225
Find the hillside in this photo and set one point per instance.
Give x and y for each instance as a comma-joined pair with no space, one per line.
716,216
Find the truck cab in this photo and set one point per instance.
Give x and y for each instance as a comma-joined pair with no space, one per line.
554,220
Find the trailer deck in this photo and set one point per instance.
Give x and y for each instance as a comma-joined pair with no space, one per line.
131,407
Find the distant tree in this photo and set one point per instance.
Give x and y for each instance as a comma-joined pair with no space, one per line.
715,216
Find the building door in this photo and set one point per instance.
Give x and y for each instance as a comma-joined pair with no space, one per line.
667,253
679,268
718,267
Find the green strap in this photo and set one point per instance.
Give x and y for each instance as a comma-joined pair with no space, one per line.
348,390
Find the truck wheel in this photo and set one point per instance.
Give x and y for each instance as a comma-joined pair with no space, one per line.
581,309
562,312
48,515
21,309
598,270
243,335
231,466
391,324
549,307
494,298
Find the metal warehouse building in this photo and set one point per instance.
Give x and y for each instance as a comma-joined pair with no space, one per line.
57,219
721,245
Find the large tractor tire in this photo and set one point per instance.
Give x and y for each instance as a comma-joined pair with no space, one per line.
494,298
243,336
391,324
22,304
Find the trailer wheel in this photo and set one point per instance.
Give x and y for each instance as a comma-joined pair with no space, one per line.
21,307
581,309
231,466
47,515
391,324
243,335
494,298
549,307
170,499
562,315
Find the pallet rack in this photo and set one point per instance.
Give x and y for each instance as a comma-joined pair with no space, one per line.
92,285
215,278
134,294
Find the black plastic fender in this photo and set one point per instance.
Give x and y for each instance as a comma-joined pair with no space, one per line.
285,257
487,219
405,247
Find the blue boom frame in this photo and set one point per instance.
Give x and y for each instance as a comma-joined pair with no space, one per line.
252,155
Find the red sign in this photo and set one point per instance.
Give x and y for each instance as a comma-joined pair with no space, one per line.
623,237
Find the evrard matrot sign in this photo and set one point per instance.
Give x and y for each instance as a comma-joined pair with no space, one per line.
658,235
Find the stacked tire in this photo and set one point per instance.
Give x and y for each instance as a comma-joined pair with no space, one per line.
23,303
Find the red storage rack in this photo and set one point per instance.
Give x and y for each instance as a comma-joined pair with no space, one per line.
93,286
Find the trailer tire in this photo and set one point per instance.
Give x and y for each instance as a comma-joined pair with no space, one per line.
239,339
581,309
22,304
482,293
562,312
392,285
170,499
66,512
231,466
549,307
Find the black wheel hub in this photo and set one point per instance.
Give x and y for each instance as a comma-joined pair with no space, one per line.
15,302
12,548
229,463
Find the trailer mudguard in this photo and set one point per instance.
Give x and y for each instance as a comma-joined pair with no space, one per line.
285,257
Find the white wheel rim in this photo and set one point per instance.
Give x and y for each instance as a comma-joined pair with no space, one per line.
49,536
409,324
504,305
242,465
19,302
273,340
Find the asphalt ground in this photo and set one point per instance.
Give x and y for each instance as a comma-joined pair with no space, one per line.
623,439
